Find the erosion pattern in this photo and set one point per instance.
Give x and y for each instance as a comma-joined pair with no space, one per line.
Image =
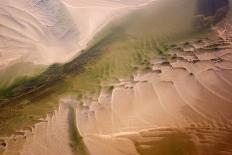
48,31
181,104
29,29
37,33
139,114
185,99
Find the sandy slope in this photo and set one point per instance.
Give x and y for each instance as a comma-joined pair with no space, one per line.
183,102
52,31
180,105
50,136
185,93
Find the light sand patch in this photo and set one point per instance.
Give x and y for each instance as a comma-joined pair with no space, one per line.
45,32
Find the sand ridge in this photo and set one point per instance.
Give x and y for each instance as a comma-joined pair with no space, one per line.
55,30
180,104
154,110
187,92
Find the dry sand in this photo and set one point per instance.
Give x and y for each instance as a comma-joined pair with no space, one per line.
180,106
51,31
187,102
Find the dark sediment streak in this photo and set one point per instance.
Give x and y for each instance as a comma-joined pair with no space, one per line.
210,7
211,11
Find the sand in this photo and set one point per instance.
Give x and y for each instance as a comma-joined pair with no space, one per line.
53,31
192,93
180,106
187,98
183,108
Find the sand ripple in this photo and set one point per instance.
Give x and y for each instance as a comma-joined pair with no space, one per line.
187,102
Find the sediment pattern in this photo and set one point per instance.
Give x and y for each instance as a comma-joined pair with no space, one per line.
179,104
52,31
30,31
184,99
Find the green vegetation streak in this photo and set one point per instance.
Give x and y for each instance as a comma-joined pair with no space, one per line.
124,46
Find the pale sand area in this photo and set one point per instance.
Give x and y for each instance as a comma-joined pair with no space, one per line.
51,31
180,105
50,136
95,14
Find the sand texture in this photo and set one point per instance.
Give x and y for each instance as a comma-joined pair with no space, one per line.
178,104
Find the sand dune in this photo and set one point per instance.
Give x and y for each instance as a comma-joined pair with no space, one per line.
180,105
52,31
185,97
28,32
